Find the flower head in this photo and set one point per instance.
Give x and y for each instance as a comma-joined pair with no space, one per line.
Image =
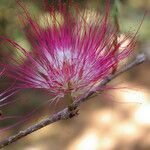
69,56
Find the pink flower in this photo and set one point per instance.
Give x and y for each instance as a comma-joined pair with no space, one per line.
69,56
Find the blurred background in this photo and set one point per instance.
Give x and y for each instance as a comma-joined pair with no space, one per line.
118,119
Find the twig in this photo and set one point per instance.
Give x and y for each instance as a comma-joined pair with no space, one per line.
66,113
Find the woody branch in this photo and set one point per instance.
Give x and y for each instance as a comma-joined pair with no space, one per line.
66,113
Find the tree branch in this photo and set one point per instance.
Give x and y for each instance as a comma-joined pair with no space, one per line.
67,113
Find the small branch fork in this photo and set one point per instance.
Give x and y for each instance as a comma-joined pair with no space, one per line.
68,113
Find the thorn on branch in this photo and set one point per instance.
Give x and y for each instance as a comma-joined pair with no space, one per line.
73,111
